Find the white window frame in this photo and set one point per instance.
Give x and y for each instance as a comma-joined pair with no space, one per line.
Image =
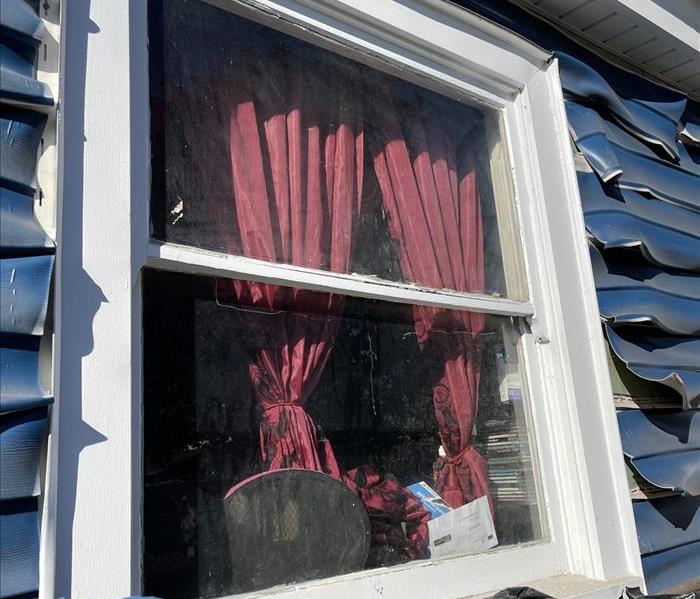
93,524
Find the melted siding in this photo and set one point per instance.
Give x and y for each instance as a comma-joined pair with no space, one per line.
641,205
26,264
630,292
666,235
641,197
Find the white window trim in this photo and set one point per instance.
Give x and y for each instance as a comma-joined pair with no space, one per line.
180,258
95,528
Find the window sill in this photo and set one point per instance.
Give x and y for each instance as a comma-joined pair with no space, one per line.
573,586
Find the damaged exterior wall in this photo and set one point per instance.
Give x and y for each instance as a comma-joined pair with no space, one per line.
637,152
26,264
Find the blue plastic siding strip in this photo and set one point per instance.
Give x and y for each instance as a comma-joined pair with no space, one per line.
668,312
671,568
19,229
584,121
18,20
19,547
20,386
677,472
632,168
21,437
24,293
644,121
588,132
666,235
667,522
15,87
667,359
691,134
17,57
632,293
661,180
20,134
644,433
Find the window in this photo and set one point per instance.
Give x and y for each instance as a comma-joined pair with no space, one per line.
352,316
270,147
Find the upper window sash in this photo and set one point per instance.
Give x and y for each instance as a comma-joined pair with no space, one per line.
325,21
180,258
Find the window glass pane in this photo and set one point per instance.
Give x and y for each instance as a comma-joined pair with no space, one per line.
267,146
291,435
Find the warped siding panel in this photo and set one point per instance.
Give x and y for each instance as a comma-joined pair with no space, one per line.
26,264
24,293
585,121
630,167
633,293
20,88
640,193
17,58
676,472
20,135
20,383
19,547
20,22
671,568
666,235
647,433
20,232
22,31
642,207
668,359
632,142
657,125
691,133
667,522
21,437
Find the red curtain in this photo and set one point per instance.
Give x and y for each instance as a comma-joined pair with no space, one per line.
297,180
296,143
427,178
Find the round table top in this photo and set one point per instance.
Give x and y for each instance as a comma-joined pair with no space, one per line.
286,526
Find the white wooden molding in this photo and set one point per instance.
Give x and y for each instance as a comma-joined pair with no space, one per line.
179,258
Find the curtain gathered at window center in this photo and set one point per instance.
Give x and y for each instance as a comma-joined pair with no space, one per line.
297,180
296,149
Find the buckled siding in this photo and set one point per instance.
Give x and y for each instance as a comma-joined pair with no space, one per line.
26,264
638,154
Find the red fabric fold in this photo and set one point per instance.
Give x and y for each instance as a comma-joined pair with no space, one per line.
428,186
297,184
296,144
397,517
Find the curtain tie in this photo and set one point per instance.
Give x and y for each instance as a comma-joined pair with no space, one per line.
456,459
283,404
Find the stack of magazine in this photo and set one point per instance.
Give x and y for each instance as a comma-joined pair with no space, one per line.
510,467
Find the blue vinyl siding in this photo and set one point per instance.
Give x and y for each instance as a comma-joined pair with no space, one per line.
26,264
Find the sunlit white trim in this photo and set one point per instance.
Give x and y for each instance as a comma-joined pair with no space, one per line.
179,258
447,577
434,39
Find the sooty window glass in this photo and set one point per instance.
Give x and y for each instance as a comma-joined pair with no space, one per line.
267,146
292,435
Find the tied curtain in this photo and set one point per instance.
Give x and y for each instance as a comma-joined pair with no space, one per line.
297,152
427,178
297,180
